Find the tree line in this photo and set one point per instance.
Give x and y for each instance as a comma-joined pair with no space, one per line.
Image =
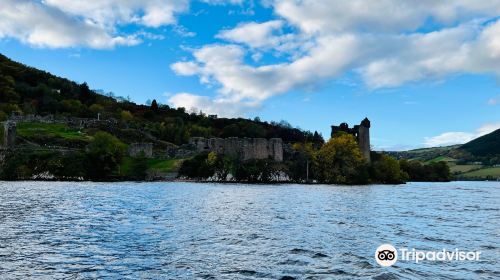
339,161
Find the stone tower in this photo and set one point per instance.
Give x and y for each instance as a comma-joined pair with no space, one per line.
364,138
362,134
9,134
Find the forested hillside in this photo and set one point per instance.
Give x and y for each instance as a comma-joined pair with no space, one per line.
26,90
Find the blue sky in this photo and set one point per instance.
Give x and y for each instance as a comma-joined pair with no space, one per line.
427,75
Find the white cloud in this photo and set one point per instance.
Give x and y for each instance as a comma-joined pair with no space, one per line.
224,65
452,138
255,35
333,16
185,68
223,2
335,37
220,106
152,13
449,138
82,23
41,26
93,24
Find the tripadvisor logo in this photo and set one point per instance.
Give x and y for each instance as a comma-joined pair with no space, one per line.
387,255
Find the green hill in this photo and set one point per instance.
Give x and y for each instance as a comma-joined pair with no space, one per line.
51,141
28,91
487,145
477,159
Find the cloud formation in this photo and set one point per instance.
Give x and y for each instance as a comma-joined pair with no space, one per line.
39,25
83,23
381,60
387,43
220,107
452,138
253,34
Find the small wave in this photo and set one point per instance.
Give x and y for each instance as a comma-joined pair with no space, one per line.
320,255
385,276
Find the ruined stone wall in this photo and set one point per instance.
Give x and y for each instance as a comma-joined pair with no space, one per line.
362,134
244,148
141,150
9,134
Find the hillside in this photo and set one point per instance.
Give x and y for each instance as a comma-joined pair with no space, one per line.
477,159
29,91
487,145
57,129
63,128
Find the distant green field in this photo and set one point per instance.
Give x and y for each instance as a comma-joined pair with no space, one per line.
463,168
47,130
432,150
493,172
441,158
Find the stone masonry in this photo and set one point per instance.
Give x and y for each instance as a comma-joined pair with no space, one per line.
141,150
362,134
9,134
244,148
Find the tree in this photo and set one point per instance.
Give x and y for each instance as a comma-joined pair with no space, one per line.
85,93
139,168
339,161
3,117
433,172
126,116
200,167
385,169
96,109
7,91
300,161
105,153
154,105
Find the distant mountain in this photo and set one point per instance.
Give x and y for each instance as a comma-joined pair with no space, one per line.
487,145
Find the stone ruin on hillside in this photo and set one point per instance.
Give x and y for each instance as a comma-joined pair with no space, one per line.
243,148
141,150
9,134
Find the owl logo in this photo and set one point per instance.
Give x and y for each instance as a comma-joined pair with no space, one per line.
386,255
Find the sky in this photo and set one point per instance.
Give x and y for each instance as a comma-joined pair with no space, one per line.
426,73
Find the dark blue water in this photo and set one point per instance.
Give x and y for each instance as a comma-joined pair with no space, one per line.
209,231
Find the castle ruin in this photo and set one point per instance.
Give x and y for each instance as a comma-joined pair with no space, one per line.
141,150
243,148
362,134
9,134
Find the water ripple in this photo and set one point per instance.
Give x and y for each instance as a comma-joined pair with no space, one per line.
56,230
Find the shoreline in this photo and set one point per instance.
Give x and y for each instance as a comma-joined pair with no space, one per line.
236,182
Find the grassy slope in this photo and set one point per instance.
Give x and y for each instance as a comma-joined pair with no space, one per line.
492,172
463,168
47,131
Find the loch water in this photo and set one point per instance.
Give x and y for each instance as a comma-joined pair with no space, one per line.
85,230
